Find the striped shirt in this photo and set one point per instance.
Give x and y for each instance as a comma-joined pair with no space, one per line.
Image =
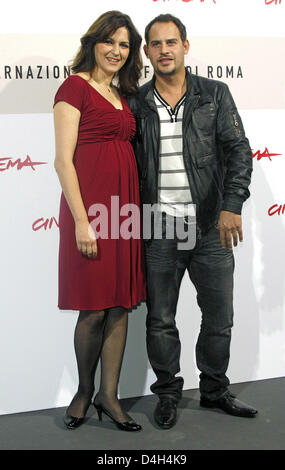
174,193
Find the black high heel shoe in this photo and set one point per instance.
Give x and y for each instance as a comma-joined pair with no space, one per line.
71,422
123,426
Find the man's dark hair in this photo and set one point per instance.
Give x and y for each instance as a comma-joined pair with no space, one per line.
165,19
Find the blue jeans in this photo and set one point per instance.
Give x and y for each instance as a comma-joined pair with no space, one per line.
210,268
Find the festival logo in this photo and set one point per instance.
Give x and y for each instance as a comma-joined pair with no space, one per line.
273,2
45,224
265,154
278,209
7,162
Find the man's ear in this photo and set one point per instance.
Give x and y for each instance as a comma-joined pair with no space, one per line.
145,48
186,46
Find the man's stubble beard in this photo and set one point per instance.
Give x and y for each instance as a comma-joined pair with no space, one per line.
165,72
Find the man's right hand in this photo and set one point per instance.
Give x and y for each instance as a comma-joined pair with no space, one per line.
230,226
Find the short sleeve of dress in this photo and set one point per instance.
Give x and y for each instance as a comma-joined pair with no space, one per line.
72,91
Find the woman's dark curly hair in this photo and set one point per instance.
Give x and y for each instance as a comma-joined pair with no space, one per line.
104,27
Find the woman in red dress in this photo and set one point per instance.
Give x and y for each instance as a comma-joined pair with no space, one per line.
100,274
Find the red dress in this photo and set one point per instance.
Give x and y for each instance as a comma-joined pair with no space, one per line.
106,167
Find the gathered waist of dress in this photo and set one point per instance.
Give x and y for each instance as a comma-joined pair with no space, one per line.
98,140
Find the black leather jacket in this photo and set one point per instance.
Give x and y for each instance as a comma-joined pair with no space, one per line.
216,153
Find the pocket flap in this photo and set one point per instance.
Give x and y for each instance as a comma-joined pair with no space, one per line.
204,160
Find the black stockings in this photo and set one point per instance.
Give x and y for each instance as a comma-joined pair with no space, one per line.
99,334
112,352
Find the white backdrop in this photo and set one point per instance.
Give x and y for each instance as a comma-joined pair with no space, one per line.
241,42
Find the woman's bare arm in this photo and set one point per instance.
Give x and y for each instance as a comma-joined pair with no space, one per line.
66,123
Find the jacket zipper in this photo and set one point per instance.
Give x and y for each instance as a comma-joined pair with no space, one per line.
194,105
157,164
144,165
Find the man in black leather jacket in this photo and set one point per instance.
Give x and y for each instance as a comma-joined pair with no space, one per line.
191,151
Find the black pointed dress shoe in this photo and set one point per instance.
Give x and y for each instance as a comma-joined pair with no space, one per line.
230,405
71,422
165,413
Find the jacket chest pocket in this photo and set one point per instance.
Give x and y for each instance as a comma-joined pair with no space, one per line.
205,160
203,123
204,152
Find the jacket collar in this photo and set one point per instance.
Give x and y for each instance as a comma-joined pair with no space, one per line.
193,88
192,84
